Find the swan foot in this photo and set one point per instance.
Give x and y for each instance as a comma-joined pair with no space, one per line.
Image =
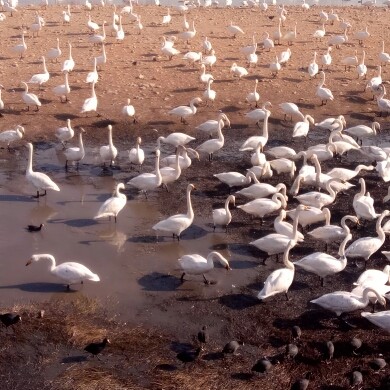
344,322
67,287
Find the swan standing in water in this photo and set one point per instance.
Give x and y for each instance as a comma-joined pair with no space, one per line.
38,179
9,136
148,181
185,111
71,272
112,206
223,216
176,224
322,264
137,155
108,152
364,247
198,265
280,280
76,153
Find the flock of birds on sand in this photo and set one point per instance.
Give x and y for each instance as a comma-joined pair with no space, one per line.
264,198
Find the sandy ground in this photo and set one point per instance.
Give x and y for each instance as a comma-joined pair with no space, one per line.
137,70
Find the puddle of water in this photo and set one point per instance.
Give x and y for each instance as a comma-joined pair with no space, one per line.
135,270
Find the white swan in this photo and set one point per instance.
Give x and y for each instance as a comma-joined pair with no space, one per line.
21,48
384,57
324,94
330,124
302,128
167,18
238,71
184,158
209,94
30,98
65,134
40,78
175,139
319,199
68,64
90,104
63,89
291,109
213,145
252,142
312,69
363,131
280,280
381,319
361,36
374,276
129,111
375,82
341,302
112,206
309,215
120,34
148,181
275,67
210,127
348,174
205,77
362,67
223,216
9,136
176,224
333,233
258,114
284,56
233,179
253,97
38,179
350,61
291,36
108,152
92,25
258,157
189,34
282,152
320,33
363,204
262,190
97,38
102,59
263,206
285,228
185,111
366,246
283,165
137,155
326,58
324,265
71,272
55,52
171,174
337,40
93,77
234,30
383,104
75,153
198,265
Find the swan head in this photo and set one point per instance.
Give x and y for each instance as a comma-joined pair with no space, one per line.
120,186
20,128
223,261
38,257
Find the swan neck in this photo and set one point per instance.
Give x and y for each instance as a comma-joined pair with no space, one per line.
30,157
286,259
190,211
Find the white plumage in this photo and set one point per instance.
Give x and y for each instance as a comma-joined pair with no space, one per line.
112,206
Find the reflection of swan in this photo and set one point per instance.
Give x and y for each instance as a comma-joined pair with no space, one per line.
322,264
71,272
112,206
223,216
176,224
38,179
197,265
281,279
115,238
343,301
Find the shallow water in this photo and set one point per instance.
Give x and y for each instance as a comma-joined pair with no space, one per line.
137,273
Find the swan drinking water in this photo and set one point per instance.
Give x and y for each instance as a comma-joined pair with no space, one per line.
71,272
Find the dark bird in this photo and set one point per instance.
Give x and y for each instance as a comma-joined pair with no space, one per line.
203,335
355,344
33,228
356,379
232,346
377,364
296,332
189,356
300,384
262,366
270,17
291,351
96,348
10,319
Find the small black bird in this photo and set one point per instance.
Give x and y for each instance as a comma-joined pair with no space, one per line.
232,347
203,335
9,319
96,348
262,366
33,228
296,332
356,379
189,356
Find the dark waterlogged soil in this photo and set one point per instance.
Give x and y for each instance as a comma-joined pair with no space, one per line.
47,352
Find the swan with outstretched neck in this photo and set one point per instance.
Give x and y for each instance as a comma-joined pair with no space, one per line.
70,272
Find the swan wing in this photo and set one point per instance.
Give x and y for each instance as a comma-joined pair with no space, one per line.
195,264
75,272
277,282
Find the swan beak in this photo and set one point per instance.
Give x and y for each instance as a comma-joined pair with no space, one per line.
28,263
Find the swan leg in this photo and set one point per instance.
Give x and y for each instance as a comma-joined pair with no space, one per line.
373,307
182,277
214,229
68,287
205,280
286,295
322,282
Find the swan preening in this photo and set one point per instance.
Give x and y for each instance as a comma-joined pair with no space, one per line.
70,272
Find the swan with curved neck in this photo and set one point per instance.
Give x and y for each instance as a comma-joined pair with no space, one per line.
285,228
176,224
262,207
186,111
364,204
280,280
38,179
348,174
198,265
262,190
148,181
366,246
318,199
213,145
223,216
71,272
112,206
322,264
